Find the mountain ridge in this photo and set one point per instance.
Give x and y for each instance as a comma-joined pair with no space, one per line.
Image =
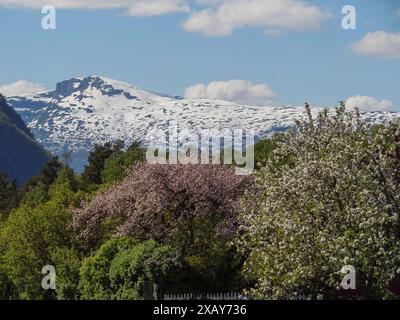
83,111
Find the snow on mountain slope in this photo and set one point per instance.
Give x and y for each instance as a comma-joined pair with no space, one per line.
81,112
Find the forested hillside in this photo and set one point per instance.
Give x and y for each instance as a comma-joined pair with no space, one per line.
20,156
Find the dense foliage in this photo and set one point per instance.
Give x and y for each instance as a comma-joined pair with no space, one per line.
335,203
120,266
324,195
30,236
8,196
159,201
116,166
194,208
97,159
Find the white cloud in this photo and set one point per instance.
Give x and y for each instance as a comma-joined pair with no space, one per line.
365,103
379,44
132,7
219,17
293,15
398,12
20,87
156,7
239,91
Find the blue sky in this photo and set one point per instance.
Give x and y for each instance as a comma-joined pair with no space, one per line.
157,53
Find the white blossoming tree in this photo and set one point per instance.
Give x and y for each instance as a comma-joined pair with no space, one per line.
329,197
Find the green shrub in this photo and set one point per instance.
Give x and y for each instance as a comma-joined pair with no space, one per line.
117,270
67,264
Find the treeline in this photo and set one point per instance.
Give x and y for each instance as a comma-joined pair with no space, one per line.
324,195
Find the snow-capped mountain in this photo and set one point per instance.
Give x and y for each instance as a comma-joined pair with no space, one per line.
81,112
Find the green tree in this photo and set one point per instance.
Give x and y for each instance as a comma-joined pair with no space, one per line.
116,166
94,275
193,208
30,236
48,175
50,171
97,158
67,263
67,177
37,192
8,196
119,267
36,195
263,151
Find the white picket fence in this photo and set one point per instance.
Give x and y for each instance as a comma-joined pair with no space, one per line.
208,296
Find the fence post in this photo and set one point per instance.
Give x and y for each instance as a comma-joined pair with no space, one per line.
158,293
148,290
